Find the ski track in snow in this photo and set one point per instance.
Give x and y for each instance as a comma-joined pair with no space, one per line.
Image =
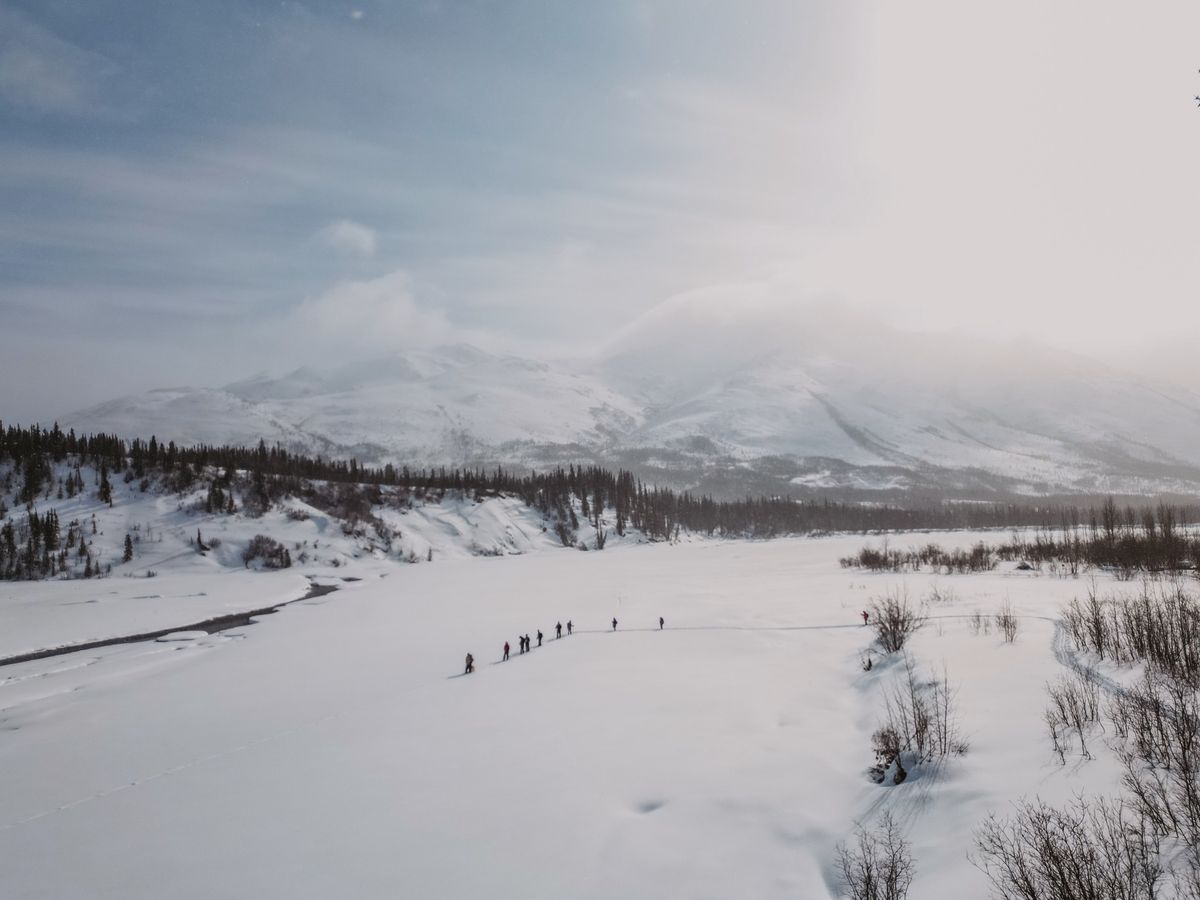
912,806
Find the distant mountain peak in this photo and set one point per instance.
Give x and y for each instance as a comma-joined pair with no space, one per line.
696,389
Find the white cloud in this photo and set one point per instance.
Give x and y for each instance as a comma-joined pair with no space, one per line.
375,316
349,238
43,73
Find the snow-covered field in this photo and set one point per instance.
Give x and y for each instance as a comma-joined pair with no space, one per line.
334,749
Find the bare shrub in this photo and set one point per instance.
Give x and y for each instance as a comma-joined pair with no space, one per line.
895,620
1097,849
976,622
919,724
879,865
1158,722
1074,708
1186,876
940,594
980,558
886,742
1007,622
1161,627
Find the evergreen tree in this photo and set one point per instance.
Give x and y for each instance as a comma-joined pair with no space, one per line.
128,555
105,486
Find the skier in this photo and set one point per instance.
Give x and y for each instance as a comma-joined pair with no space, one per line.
570,627
521,642
661,623
539,637
614,623
506,649
470,664
558,631
865,616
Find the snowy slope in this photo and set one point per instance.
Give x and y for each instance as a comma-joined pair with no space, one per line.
171,582
330,750
429,407
840,400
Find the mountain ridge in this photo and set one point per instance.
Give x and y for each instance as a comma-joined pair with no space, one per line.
832,403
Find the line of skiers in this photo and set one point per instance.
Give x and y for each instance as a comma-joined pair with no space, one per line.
526,643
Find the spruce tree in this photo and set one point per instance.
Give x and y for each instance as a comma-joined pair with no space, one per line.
128,549
105,487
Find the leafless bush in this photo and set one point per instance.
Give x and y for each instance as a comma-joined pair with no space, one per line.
1098,849
1160,627
879,866
940,594
1074,707
1186,876
979,558
1007,622
919,724
1158,722
895,620
976,621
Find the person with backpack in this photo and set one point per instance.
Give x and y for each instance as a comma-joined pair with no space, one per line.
570,627
506,649
470,664
539,637
614,623
558,631
866,615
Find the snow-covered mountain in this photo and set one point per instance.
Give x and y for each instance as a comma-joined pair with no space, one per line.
706,393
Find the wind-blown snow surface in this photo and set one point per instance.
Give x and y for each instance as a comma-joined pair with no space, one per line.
333,749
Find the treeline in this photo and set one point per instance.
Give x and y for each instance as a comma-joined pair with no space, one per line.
1127,543
660,513
37,547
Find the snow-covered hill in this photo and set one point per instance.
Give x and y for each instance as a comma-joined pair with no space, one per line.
187,565
812,400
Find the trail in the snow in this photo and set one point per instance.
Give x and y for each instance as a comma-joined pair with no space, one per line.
923,785
1069,659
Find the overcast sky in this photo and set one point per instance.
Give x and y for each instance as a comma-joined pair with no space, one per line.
191,192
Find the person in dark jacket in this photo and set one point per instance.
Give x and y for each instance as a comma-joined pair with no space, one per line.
558,631
539,637
570,627
614,623
470,664
661,623
506,649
